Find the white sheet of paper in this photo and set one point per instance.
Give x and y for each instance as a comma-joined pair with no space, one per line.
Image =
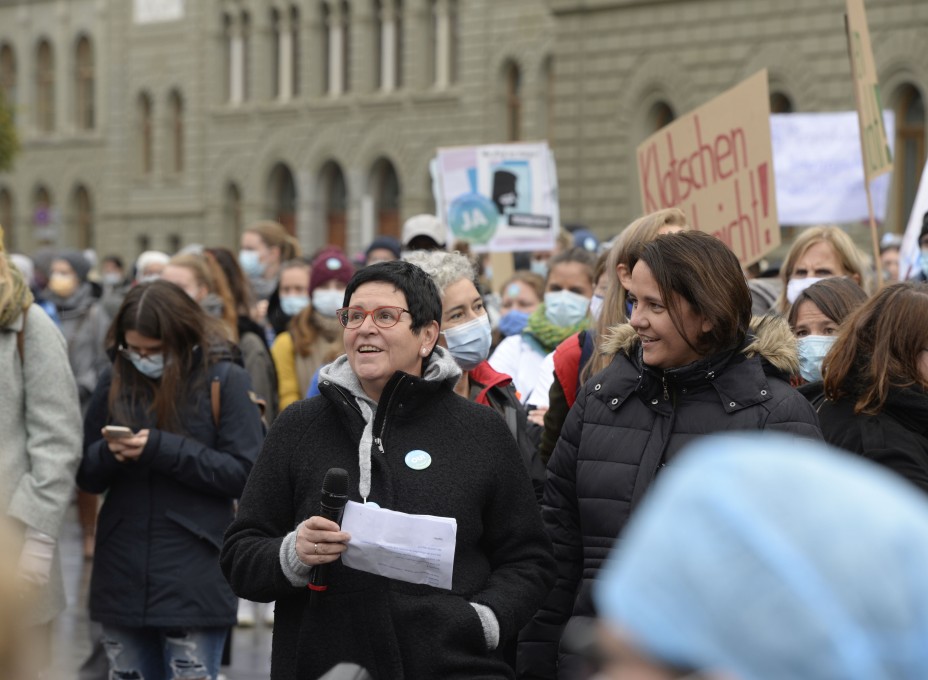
412,548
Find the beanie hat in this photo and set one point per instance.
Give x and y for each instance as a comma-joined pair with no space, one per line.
721,569
329,264
385,243
78,263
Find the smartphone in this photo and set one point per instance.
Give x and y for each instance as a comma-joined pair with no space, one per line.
117,431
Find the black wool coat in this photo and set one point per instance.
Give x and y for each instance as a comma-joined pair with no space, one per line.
160,529
395,630
896,437
628,421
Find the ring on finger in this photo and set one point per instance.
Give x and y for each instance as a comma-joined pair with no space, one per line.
315,548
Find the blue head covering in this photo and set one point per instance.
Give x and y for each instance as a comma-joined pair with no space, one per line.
768,557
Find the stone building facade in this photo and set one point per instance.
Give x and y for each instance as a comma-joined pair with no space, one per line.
157,123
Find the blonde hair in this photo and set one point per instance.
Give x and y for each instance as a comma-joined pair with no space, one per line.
274,235
852,260
643,230
209,274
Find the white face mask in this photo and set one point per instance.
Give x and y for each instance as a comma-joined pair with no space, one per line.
796,286
596,306
469,343
327,301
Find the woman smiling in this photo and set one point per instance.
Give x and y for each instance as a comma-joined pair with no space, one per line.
687,364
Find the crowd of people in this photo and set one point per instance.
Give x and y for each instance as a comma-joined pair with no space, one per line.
576,420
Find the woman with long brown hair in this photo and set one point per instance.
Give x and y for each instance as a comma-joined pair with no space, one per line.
876,382
170,436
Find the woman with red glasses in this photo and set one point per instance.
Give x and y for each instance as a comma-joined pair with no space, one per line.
388,414
171,456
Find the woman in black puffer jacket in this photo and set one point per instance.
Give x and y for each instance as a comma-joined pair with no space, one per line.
686,365
876,382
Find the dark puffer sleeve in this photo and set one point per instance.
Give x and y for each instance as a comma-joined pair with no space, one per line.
539,641
793,414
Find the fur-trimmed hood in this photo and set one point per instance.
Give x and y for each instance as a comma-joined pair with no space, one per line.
769,337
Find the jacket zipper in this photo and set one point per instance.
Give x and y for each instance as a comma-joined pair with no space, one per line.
383,424
666,392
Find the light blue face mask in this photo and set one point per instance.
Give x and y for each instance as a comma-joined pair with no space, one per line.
513,322
812,350
565,309
151,366
251,263
327,301
469,343
923,261
539,267
291,305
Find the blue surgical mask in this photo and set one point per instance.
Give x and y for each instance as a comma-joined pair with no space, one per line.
812,350
596,306
565,309
513,322
151,366
291,305
539,267
327,301
469,343
251,263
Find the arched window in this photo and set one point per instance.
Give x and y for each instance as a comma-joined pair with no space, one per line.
328,52
232,213
346,45
229,56
144,133
175,132
335,203
388,44
45,87
82,214
513,83
282,196
780,103
910,148
44,218
84,84
659,115
384,187
547,98
8,75
245,59
7,220
337,20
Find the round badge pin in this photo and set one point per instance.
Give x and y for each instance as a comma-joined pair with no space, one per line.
418,460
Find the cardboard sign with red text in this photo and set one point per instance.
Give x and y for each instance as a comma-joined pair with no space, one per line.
878,159
716,163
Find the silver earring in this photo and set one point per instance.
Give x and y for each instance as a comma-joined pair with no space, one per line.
425,351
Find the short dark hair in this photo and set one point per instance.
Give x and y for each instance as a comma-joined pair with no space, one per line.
422,297
836,297
704,272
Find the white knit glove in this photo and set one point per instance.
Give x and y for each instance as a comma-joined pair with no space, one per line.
35,561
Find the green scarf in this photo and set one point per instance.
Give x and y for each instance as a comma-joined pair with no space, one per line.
18,298
546,333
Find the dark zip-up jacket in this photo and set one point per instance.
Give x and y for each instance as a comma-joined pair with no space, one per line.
395,630
160,529
628,421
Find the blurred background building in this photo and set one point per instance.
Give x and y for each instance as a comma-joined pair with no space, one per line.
157,123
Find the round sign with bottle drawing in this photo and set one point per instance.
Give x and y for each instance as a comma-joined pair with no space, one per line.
473,218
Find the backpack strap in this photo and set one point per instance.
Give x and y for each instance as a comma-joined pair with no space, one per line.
214,399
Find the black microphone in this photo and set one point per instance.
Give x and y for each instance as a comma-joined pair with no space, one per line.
334,497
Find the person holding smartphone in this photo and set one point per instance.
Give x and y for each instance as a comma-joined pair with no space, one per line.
171,458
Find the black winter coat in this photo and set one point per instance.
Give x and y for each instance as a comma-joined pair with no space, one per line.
628,421
395,630
896,437
160,529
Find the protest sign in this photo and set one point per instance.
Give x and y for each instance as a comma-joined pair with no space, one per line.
498,198
909,263
818,169
876,154
716,164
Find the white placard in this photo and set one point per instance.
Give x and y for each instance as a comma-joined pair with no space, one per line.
157,11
